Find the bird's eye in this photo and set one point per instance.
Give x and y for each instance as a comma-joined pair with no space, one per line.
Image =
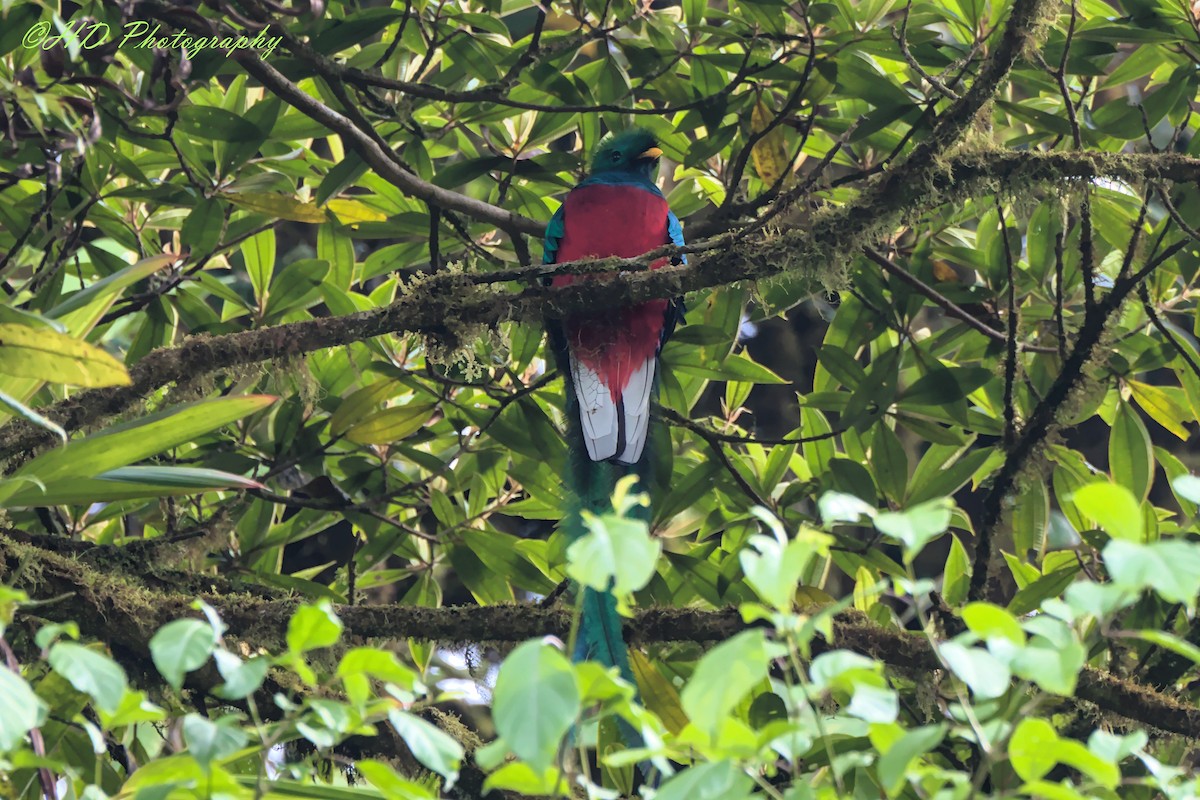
616,156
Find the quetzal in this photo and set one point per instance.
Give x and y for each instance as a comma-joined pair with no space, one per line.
609,358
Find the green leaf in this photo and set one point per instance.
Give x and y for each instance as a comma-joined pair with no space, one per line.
361,663
90,672
957,574
1114,508
987,676
1052,584
201,231
1162,406
20,709
616,551
1031,748
180,647
209,122
1053,664
1188,487
126,483
340,175
312,627
989,621
535,702
242,678
381,776
894,763
1171,568
724,676
121,445
391,424
916,526
25,412
83,309
942,385
775,569
57,358
430,745
278,206
716,780
208,741
259,254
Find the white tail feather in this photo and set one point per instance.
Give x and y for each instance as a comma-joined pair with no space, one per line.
597,412
637,412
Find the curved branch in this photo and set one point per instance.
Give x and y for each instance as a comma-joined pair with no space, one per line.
441,301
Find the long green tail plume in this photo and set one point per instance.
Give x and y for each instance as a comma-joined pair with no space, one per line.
590,484
599,636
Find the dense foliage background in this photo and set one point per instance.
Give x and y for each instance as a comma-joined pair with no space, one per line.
925,523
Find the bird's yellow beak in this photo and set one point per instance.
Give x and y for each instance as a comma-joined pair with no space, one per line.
653,152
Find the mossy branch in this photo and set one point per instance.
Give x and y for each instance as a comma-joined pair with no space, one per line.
835,236
119,610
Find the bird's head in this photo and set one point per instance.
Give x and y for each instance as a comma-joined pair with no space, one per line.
635,150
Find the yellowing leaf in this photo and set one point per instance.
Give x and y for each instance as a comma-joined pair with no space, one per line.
55,357
350,212
770,152
277,205
943,271
1162,407
657,692
391,424
810,599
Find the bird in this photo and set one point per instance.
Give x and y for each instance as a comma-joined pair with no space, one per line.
610,358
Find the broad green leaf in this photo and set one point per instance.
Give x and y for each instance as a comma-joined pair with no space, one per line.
278,206
1114,508
616,552
312,627
125,483
242,678
83,309
916,526
20,709
894,763
350,212
21,410
124,444
723,678
57,358
658,694
208,740
1170,568
774,570
391,424
989,621
1162,406
1031,750
259,254
210,122
956,576
381,776
535,701
432,746
90,672
180,647
717,780
986,676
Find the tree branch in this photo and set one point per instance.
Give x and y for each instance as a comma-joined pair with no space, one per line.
108,606
439,302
